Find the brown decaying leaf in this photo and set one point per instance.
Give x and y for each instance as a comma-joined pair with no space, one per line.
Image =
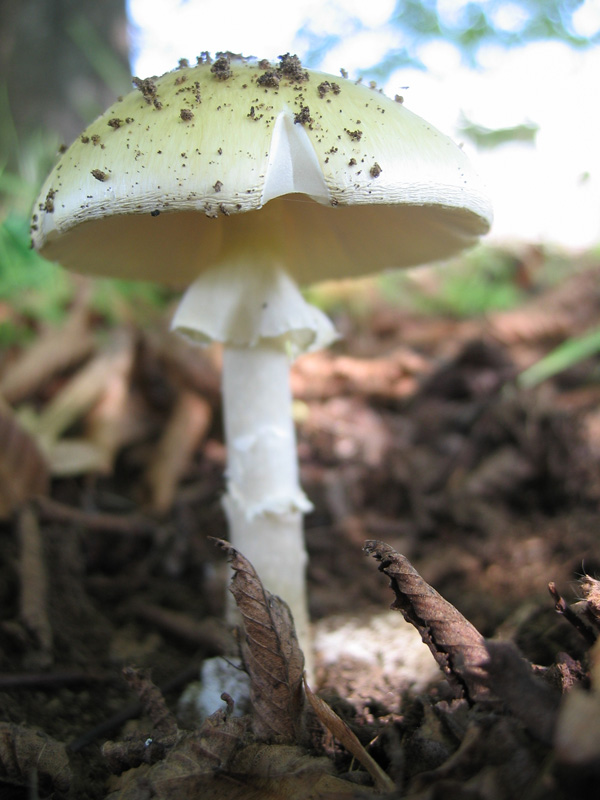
338,728
56,350
33,595
577,615
272,656
589,606
214,763
27,754
187,427
190,763
577,738
456,645
528,698
23,470
86,388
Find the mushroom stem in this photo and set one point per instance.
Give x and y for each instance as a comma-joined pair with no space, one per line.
264,502
256,309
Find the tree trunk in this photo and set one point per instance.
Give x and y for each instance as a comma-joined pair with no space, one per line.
62,62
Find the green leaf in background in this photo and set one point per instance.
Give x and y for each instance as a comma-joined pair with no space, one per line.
566,355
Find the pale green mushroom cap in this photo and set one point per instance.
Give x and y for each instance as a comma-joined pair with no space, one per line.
341,181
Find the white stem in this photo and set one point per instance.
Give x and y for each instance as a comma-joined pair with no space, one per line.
257,311
264,502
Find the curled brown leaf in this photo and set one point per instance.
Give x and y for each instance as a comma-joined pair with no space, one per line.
271,653
23,469
27,752
456,645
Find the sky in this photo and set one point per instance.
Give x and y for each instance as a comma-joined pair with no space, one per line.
547,192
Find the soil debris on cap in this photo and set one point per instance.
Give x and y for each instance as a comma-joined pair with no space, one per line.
291,67
270,79
325,87
48,205
303,116
221,69
356,136
147,87
186,114
100,175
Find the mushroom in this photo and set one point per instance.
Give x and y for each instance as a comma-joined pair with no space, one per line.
244,180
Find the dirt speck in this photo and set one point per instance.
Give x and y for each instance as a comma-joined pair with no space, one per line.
115,122
218,186
356,136
269,79
303,116
85,139
375,170
221,69
147,87
292,68
100,175
325,87
186,114
48,205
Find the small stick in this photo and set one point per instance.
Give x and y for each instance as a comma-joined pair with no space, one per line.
34,583
129,524
47,680
561,606
131,711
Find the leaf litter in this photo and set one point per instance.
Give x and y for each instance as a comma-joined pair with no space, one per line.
414,439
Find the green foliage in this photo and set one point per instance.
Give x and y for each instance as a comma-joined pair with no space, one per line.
32,288
486,138
119,300
565,356
482,281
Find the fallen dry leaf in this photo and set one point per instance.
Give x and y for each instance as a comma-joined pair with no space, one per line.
87,386
528,698
456,645
577,738
23,469
183,434
33,588
339,730
30,758
56,350
193,762
209,764
271,654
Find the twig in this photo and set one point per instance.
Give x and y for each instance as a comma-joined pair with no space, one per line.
34,584
48,680
567,612
208,634
131,711
128,524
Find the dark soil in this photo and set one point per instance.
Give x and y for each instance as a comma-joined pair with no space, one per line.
413,432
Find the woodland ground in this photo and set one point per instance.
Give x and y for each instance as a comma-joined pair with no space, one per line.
413,431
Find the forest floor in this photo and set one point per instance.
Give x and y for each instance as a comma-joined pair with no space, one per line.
414,432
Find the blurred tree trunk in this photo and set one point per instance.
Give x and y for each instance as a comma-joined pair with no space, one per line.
62,62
